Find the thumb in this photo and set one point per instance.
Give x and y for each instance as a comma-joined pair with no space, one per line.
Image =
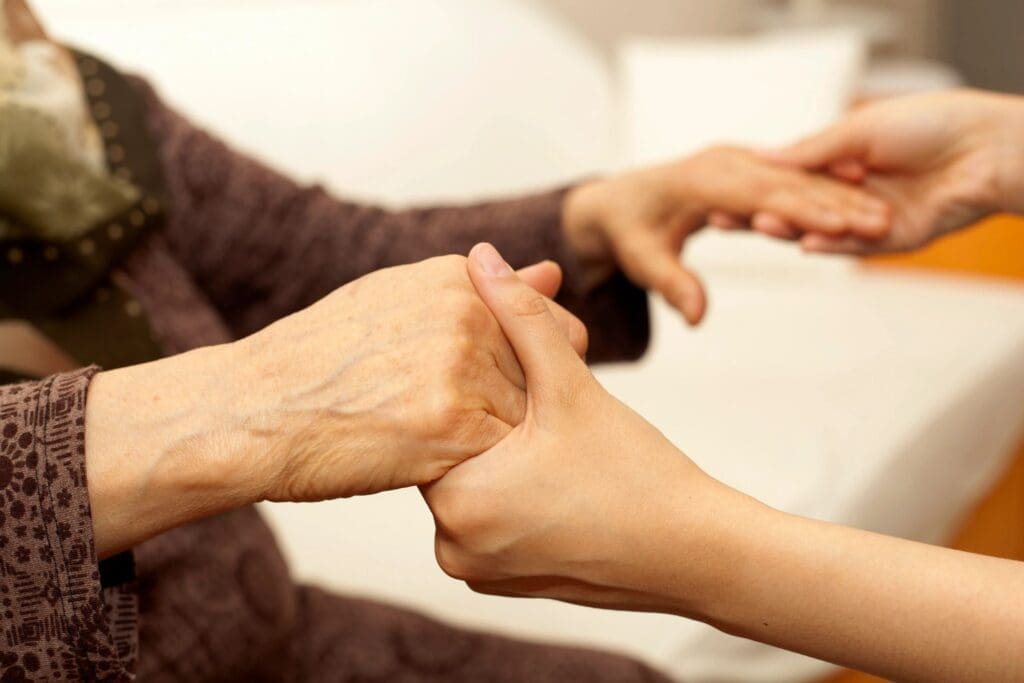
842,142
540,344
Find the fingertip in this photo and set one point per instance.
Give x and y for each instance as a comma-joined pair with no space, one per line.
722,220
811,243
545,277
488,260
693,313
773,226
691,302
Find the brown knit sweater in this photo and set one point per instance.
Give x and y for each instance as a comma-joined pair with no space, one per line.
213,601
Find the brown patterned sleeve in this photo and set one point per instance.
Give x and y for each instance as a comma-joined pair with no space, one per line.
58,622
262,247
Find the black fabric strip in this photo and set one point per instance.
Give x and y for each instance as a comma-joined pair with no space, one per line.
117,570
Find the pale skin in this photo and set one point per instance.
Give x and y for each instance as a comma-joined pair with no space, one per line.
586,502
940,160
639,526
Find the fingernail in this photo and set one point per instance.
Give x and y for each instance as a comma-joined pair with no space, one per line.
490,260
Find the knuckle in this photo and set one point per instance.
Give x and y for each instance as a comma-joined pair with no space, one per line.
449,262
437,409
461,350
446,412
449,270
579,336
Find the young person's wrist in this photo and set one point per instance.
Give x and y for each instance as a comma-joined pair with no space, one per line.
1010,155
583,215
690,547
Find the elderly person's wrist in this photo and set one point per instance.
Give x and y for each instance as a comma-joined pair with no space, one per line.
163,448
582,219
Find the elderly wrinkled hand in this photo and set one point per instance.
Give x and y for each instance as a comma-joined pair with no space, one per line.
387,382
639,221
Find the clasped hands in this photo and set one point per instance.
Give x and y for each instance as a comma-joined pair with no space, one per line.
573,501
464,378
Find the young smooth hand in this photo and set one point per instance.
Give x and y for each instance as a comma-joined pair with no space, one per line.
638,221
549,510
584,501
942,161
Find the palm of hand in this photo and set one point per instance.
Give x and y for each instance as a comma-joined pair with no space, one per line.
541,514
930,203
926,162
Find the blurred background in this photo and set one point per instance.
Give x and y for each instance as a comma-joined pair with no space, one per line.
883,394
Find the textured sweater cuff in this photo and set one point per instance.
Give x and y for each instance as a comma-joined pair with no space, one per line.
58,622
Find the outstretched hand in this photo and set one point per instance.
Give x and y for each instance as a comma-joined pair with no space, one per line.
942,161
639,221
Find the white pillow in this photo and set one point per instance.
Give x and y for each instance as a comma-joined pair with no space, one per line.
681,96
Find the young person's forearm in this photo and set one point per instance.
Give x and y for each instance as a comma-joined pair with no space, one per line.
160,451
900,609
